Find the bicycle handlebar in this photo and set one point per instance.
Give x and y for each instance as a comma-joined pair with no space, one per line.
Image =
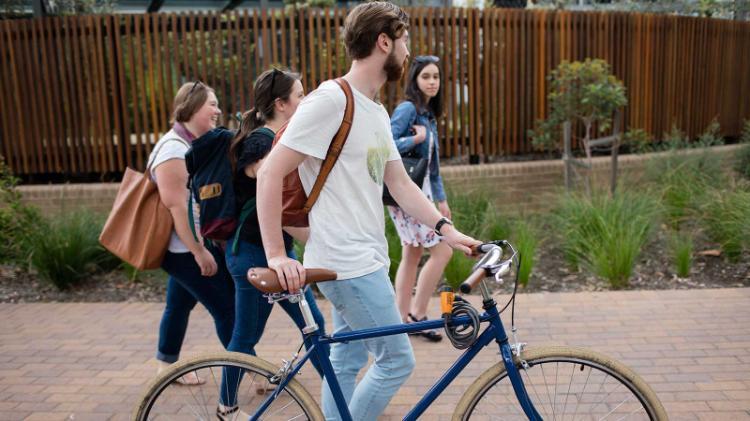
489,264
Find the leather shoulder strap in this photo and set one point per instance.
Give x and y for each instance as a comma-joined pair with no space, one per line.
337,144
158,148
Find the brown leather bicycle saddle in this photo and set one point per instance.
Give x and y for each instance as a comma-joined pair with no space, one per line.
267,281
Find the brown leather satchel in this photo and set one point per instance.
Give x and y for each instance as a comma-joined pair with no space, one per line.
295,203
139,226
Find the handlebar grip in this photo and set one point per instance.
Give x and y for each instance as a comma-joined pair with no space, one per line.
473,280
485,247
266,280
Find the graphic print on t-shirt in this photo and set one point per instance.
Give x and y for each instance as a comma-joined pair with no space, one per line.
377,157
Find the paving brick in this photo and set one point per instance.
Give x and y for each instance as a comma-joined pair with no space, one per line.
691,345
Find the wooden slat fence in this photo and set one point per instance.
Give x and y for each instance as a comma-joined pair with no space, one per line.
91,94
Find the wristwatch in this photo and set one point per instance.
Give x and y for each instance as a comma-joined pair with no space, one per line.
440,224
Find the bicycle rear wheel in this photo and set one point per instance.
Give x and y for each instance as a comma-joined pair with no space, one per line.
563,383
166,399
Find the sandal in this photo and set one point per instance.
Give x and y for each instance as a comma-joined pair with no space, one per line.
431,335
231,414
191,379
262,389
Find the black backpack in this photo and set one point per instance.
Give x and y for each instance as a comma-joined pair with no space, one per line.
210,181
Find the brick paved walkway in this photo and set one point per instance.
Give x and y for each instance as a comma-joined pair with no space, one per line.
90,361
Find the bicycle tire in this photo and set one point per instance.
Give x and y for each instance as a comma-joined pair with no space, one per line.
479,391
249,363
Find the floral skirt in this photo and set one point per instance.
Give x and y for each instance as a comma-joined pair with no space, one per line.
412,232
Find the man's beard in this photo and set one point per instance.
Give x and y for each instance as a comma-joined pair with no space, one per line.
392,68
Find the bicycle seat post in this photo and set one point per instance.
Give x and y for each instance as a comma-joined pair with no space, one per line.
310,325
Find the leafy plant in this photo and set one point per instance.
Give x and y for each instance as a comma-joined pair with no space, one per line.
605,235
580,91
727,221
17,220
68,249
711,136
638,140
681,250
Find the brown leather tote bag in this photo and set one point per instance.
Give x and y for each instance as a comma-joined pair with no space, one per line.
139,226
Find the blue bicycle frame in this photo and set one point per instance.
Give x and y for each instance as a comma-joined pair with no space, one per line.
495,331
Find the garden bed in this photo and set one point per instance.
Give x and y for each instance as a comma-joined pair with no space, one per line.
550,273
689,213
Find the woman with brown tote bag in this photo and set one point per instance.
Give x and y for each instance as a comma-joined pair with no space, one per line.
197,273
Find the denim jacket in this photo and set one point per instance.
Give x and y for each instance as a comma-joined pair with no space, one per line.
403,118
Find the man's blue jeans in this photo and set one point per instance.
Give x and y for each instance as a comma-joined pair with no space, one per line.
252,311
360,303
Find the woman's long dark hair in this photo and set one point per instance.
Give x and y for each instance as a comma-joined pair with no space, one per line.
416,96
271,85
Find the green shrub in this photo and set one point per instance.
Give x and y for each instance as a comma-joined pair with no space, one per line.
68,249
458,269
727,221
638,140
711,136
394,246
605,235
525,240
17,221
681,180
474,215
681,250
742,165
745,136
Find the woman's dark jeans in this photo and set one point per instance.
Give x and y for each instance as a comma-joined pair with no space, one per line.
185,287
252,311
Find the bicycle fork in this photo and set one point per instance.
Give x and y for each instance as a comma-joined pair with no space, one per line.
506,352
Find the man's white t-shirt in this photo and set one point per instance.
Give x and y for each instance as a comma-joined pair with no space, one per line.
347,226
171,146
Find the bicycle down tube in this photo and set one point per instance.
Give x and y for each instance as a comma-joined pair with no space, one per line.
494,331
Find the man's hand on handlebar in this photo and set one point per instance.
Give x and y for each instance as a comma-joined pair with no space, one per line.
459,241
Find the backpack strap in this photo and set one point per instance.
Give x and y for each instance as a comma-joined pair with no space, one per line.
247,209
337,144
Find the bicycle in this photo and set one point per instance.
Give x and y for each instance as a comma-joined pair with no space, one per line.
577,383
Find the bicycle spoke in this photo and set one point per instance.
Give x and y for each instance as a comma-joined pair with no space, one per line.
280,409
567,394
533,387
578,398
546,388
629,414
614,409
170,401
599,391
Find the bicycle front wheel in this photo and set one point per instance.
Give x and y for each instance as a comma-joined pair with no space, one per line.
167,399
563,383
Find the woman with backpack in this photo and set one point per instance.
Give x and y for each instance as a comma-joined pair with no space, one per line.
414,127
197,272
277,94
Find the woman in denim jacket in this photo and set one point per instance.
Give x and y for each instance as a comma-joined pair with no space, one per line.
414,128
